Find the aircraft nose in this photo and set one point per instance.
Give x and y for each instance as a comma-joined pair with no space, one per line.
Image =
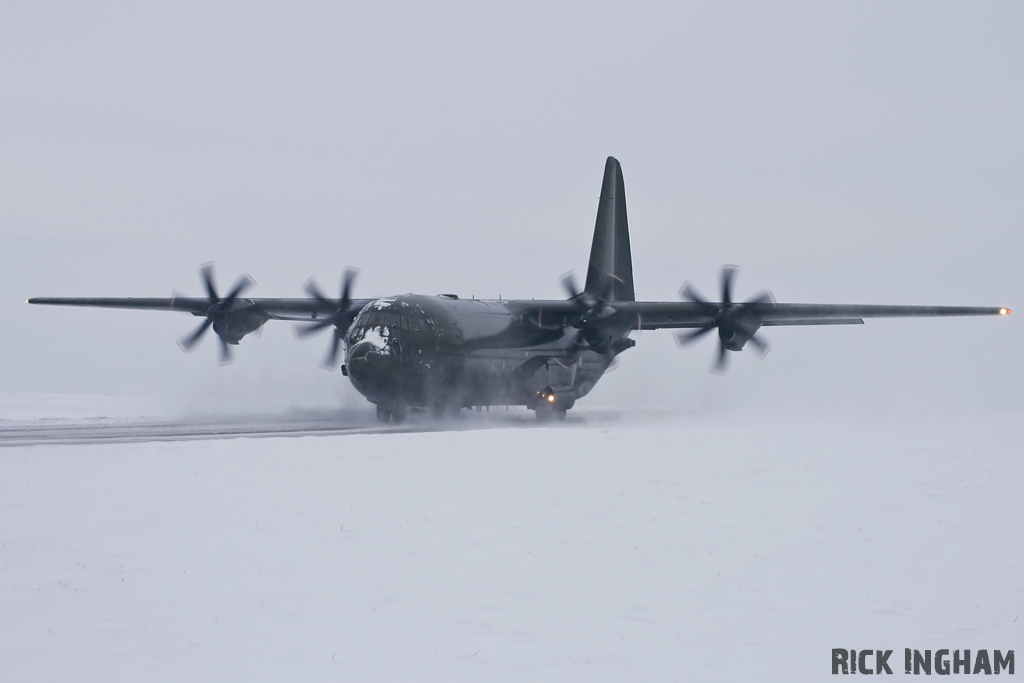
365,353
360,352
372,367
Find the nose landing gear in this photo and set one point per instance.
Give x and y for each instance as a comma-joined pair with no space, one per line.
391,412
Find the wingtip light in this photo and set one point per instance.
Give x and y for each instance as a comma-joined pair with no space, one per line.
1005,311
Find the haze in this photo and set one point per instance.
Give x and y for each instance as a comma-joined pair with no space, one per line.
861,152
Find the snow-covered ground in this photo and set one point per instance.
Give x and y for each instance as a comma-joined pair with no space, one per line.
53,409
671,548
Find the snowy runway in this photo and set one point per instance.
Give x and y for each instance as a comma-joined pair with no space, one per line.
659,549
320,423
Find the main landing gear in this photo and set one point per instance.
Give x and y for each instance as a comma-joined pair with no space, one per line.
547,404
546,411
391,412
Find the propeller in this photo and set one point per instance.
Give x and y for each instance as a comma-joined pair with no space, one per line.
341,316
594,312
730,319
218,309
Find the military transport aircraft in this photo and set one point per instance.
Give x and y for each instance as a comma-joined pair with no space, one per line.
443,353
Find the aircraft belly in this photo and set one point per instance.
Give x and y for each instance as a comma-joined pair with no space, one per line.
497,376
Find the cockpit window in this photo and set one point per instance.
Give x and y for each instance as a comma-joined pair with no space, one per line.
412,319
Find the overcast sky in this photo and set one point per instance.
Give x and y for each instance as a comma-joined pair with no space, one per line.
857,152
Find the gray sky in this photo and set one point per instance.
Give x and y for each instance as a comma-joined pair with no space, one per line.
859,152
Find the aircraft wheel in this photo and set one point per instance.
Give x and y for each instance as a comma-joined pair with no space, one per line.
545,412
383,413
398,413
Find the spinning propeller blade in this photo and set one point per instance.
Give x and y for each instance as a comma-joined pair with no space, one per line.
341,315
217,309
733,322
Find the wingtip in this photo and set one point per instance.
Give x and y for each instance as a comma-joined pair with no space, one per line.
1005,311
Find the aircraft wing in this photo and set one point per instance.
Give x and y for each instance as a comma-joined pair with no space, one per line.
684,314
655,315
274,309
648,315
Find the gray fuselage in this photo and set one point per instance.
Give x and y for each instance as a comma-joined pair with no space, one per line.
443,352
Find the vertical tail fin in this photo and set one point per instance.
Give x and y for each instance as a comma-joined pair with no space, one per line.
609,253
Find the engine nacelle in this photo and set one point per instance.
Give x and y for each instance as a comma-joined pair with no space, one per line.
243,318
733,338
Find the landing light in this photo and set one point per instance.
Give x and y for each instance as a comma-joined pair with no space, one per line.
1004,311
551,398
